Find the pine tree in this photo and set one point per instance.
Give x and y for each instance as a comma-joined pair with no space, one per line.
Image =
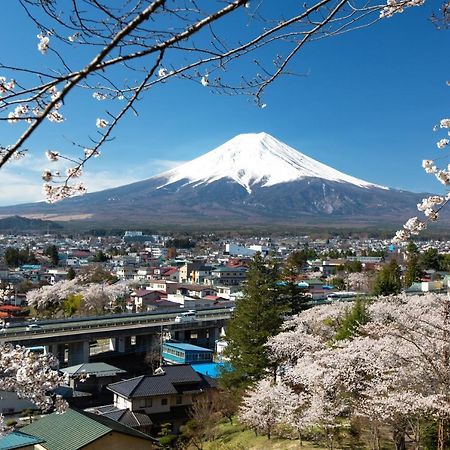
413,268
52,252
257,317
388,280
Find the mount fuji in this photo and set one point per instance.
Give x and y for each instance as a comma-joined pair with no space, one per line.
251,179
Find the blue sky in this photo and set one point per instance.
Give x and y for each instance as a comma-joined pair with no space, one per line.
366,106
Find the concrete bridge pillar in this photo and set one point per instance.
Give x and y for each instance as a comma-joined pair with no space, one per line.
180,335
213,337
147,343
78,353
120,344
58,350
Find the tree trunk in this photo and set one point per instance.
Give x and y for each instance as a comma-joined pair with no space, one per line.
441,434
399,439
375,437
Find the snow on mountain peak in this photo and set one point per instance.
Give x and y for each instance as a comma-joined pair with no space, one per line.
256,158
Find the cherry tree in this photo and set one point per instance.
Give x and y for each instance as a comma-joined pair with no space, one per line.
52,296
96,297
267,405
394,371
130,48
31,376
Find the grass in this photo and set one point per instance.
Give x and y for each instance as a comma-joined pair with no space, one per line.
236,437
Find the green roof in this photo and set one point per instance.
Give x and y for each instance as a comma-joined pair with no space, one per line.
73,429
99,369
16,439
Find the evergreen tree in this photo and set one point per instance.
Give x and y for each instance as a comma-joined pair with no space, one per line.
292,296
257,317
413,268
388,279
430,259
353,319
52,252
71,274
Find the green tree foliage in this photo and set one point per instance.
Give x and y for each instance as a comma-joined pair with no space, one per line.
356,316
388,279
72,304
71,274
180,243
291,294
353,266
100,256
52,252
15,257
413,267
338,283
257,317
96,274
430,259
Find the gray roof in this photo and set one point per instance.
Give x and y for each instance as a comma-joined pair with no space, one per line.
143,386
166,383
181,373
129,418
99,369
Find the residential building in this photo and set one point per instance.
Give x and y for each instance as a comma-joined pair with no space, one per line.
181,353
92,377
76,430
164,396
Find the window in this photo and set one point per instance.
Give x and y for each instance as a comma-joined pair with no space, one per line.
148,402
164,401
179,400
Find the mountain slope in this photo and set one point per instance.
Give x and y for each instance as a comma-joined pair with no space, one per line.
251,179
256,159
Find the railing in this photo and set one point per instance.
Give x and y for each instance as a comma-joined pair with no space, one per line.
102,322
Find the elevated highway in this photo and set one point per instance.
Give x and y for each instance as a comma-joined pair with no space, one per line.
141,331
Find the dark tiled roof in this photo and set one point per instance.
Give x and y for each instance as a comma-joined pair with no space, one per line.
181,373
129,418
143,386
170,382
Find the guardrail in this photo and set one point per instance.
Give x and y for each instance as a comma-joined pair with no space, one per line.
162,319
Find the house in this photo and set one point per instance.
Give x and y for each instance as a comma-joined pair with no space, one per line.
92,377
165,396
181,353
195,291
169,287
76,430
18,440
189,272
11,403
146,300
228,276
135,420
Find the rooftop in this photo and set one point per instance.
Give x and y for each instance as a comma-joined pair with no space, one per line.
187,347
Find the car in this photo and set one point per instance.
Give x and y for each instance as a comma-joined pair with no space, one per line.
189,316
33,327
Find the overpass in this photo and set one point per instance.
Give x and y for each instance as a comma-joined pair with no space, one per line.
126,332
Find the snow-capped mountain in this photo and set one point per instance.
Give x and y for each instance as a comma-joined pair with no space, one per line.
251,179
256,159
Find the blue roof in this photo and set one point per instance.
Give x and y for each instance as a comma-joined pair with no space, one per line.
16,439
187,347
210,369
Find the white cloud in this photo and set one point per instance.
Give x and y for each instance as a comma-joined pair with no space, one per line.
20,181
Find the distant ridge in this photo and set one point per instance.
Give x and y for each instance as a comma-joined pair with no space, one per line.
252,179
18,223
